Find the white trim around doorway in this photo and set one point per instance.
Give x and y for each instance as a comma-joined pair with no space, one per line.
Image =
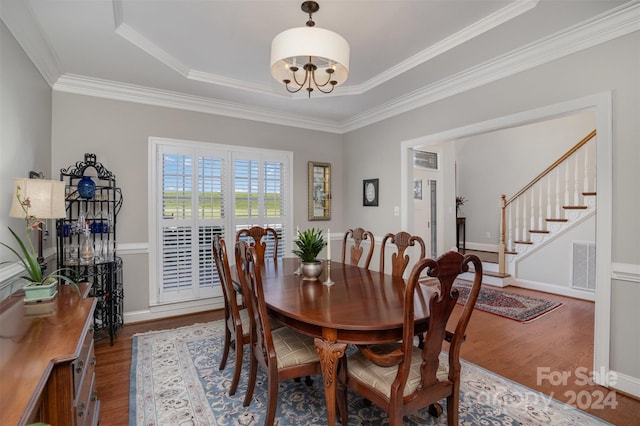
601,103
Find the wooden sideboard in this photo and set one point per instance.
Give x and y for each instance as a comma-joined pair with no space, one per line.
47,361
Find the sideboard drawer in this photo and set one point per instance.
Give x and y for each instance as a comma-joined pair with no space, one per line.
85,387
93,416
85,407
84,359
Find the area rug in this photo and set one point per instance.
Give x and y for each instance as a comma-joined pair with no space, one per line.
175,381
509,305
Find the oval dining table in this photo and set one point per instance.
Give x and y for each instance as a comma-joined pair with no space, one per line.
359,307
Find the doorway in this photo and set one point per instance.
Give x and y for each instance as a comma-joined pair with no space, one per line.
602,105
425,208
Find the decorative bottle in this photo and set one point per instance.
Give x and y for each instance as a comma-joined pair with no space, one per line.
86,248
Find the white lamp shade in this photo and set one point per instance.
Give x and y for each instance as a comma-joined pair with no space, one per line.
294,46
46,198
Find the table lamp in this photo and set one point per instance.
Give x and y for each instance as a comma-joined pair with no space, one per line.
46,199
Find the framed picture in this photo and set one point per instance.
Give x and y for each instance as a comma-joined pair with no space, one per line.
319,191
417,189
370,192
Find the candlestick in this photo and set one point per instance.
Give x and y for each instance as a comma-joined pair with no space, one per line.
299,270
328,281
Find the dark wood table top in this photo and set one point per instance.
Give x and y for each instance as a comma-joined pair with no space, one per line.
361,307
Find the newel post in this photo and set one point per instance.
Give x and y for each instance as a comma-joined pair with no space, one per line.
501,249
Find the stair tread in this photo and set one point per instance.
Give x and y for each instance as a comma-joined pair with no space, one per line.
492,274
575,207
538,231
523,242
557,220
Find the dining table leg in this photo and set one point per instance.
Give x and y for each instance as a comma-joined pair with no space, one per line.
329,353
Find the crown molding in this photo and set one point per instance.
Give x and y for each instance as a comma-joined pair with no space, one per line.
503,15
88,86
28,32
617,23
490,22
593,32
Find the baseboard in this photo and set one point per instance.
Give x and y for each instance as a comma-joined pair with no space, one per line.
174,309
625,383
555,289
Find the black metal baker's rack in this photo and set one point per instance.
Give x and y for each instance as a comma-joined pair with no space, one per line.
94,218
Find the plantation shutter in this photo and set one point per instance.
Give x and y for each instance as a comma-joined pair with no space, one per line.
192,213
202,190
260,188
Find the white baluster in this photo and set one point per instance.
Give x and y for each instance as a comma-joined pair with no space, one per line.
557,215
532,224
548,195
576,184
523,234
586,168
540,206
566,183
516,226
509,240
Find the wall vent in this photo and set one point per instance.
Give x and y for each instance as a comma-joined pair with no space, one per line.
583,265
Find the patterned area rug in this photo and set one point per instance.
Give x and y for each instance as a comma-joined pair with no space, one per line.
175,381
509,305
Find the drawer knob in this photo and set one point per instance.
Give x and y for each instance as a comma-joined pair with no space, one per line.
80,366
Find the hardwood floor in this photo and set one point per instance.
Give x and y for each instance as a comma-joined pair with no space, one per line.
561,341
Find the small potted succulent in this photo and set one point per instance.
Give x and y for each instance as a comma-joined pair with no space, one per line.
308,245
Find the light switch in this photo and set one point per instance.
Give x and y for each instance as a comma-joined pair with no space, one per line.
396,210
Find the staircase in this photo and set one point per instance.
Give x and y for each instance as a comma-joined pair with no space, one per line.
490,272
558,199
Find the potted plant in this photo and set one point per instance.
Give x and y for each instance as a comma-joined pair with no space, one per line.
308,245
40,286
459,203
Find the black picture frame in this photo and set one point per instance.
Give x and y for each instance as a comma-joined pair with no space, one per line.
370,192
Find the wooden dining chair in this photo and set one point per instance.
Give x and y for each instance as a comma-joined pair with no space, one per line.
400,260
407,378
237,324
357,235
265,240
282,353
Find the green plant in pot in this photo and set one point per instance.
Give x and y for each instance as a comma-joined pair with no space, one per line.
308,245
40,286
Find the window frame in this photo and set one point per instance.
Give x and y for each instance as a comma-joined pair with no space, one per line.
157,146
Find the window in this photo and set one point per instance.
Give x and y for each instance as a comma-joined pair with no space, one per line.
201,190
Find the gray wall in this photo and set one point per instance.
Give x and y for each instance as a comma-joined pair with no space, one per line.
25,131
612,66
118,132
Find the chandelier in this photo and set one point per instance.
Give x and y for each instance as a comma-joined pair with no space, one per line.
309,57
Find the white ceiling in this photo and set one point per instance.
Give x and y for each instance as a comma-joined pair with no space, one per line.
213,55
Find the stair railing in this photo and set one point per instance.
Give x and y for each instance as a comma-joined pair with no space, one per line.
558,187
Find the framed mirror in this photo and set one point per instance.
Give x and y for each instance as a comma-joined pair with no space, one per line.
319,191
